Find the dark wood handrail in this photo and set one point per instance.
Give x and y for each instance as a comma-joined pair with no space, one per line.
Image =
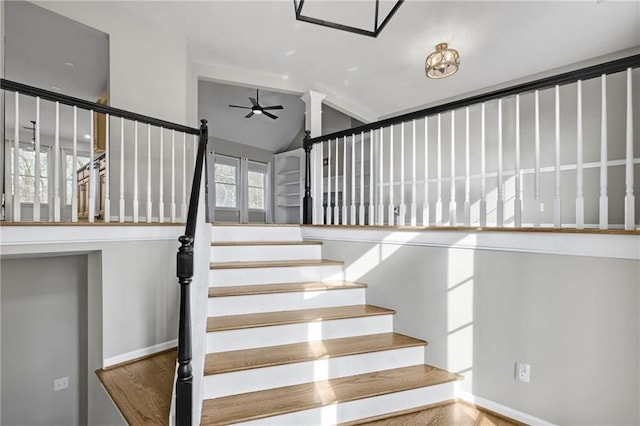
25,89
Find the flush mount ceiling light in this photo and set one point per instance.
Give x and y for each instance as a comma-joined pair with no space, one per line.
443,62
378,24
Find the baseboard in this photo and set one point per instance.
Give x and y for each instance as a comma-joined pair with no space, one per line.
129,356
502,409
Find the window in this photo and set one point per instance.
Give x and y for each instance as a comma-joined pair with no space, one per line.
70,170
256,190
226,185
27,174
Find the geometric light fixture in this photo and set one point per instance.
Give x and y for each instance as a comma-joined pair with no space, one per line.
378,24
442,63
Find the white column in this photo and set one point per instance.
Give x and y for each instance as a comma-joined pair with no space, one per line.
362,168
371,217
467,172
391,207
517,211
92,172
452,184
36,184
121,206
107,175
161,179
173,176
345,211
183,205
16,159
402,207
425,201
353,180
329,210
557,201
579,165
483,169
313,123
381,180
74,177
336,204
414,205
56,169
629,199
604,198
500,201
149,210
135,172
439,175
536,177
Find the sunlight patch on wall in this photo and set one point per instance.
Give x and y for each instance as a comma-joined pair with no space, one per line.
364,264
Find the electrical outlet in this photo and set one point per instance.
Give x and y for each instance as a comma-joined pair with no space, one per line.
541,207
61,383
523,372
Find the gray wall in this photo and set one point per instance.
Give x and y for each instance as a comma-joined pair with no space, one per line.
574,319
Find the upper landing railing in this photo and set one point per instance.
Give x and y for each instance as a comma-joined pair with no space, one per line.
492,160
94,162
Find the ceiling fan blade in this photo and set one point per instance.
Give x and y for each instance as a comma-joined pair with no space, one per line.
254,102
249,115
274,107
268,114
239,106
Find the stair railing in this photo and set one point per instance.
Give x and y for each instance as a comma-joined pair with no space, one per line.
402,170
184,380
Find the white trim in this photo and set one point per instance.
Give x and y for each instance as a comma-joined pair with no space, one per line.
149,350
593,245
502,409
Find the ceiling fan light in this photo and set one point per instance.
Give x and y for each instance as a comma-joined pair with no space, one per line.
442,63
257,111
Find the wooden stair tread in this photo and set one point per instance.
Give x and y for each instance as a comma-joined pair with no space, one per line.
243,290
288,399
274,264
268,225
225,362
266,243
233,322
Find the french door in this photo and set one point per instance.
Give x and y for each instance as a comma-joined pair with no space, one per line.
239,190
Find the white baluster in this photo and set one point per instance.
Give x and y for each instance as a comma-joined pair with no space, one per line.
483,169
557,201
92,174
329,210
439,175
604,198
336,205
536,179
16,160
56,168
36,184
161,179
579,165
452,199
361,209
425,201
402,206
381,180
173,176
414,205
518,195
353,180
629,199
500,201
107,176
392,209
149,210
183,206
467,173
74,173
135,172
344,218
370,219
318,216
121,206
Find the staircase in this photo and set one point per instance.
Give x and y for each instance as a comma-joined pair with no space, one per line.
289,342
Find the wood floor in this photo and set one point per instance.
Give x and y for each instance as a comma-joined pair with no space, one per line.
142,392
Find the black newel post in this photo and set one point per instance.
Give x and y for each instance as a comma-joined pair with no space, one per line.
307,202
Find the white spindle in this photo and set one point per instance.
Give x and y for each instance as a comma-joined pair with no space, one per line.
467,172
629,199
107,177
381,180
56,168
121,204
370,219
414,206
336,204
579,165
329,210
392,208
439,175
135,172
536,177
483,168
183,206
517,211
604,199
425,201
74,172
500,201
149,210
161,179
361,209
452,198
92,171
195,150
173,176
36,184
402,206
353,180
557,201
16,160
344,219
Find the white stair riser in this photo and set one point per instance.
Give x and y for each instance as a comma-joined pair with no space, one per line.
322,369
230,340
246,276
256,233
255,303
363,408
265,253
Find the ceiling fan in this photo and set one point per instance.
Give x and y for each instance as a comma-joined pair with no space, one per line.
258,109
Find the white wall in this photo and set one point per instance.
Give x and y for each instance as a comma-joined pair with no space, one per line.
574,318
